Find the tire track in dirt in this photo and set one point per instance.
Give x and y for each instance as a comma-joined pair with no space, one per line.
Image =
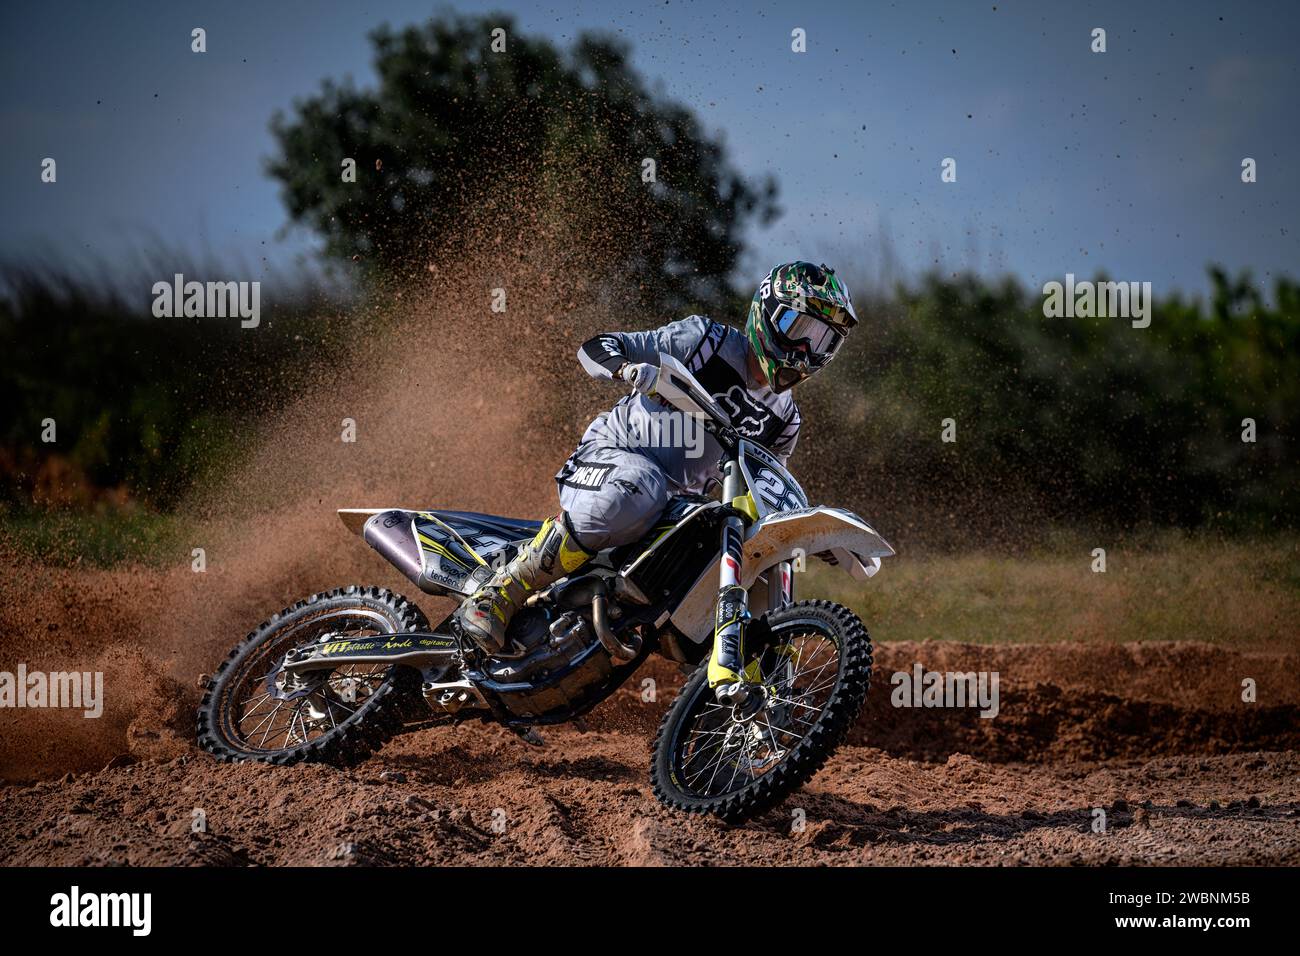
535,806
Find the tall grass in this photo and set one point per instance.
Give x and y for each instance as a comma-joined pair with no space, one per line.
1162,587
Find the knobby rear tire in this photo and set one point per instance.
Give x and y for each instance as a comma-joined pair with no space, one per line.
375,721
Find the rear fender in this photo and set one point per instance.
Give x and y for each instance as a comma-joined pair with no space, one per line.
423,547
785,536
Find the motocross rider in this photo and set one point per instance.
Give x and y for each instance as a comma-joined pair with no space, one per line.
618,481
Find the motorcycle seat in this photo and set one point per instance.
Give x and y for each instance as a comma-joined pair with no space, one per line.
523,527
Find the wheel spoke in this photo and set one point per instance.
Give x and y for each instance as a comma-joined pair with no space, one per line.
754,744
258,698
263,723
253,705
268,730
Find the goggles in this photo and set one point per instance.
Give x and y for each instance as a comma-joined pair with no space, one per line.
819,338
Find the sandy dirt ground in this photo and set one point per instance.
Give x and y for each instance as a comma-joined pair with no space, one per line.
1155,736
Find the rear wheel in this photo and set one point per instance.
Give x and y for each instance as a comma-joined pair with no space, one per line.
254,710
810,663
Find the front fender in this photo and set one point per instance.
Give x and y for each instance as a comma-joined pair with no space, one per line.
856,546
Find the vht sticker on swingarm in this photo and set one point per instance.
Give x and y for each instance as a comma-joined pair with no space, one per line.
377,646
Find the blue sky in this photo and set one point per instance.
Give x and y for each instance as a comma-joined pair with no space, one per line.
1067,161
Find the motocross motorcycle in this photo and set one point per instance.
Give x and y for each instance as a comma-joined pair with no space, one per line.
335,676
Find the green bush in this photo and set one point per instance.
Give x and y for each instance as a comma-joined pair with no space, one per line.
1067,420
143,403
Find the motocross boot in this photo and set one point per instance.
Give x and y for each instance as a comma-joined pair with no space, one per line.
553,554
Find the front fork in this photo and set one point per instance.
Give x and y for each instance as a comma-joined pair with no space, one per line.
727,673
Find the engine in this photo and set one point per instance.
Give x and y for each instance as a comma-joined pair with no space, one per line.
550,638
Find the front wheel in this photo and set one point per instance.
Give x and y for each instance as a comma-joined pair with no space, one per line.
811,664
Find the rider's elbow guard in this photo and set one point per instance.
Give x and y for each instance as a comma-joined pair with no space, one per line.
602,355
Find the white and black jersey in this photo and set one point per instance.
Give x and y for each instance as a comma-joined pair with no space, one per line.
716,354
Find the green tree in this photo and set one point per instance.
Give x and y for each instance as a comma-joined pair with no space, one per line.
451,118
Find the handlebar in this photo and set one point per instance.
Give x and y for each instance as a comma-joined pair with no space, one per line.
677,387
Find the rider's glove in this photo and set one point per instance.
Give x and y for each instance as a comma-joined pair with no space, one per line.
642,376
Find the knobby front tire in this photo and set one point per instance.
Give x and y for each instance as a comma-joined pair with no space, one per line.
813,659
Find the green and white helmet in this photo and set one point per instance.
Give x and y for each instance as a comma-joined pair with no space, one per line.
798,320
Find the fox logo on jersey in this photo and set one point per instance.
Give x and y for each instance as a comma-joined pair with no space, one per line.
748,416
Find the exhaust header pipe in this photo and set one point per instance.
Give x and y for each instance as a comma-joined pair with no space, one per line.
591,589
